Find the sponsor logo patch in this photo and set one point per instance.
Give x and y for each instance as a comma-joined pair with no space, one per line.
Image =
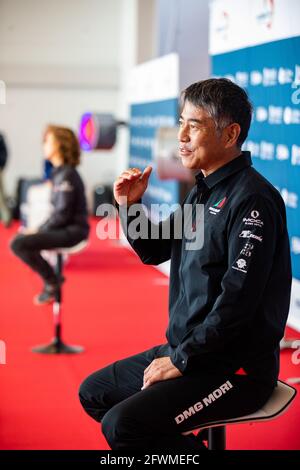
64,186
241,265
253,221
247,250
249,234
215,209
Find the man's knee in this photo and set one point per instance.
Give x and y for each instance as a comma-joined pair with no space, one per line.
91,396
87,391
122,427
115,427
17,244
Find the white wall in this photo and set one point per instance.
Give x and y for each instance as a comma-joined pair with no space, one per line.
137,44
58,58
29,110
59,31
182,27
127,60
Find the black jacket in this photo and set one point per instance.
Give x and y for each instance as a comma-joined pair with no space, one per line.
68,200
3,152
229,300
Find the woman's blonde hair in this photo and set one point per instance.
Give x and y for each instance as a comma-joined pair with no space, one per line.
68,145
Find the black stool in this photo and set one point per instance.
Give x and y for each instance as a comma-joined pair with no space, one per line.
57,346
278,403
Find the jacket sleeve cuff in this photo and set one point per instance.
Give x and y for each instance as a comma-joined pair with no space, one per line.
179,359
43,227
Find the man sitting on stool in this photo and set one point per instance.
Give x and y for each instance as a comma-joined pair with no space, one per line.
229,298
68,223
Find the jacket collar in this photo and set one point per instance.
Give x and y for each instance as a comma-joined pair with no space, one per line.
235,165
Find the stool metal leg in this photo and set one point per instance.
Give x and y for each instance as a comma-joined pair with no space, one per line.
217,438
294,380
57,346
289,343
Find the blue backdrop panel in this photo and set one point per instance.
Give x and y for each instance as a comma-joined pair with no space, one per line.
271,74
146,118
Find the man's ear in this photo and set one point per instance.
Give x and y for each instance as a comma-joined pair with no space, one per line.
232,133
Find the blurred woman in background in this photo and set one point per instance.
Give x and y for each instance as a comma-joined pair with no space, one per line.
68,223
5,213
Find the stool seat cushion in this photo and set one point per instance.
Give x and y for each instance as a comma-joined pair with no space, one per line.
72,249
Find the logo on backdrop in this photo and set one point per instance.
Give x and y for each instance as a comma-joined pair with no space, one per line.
222,27
295,245
265,16
296,94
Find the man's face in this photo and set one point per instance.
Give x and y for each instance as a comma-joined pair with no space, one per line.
201,146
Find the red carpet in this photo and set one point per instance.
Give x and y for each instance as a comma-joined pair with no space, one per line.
113,306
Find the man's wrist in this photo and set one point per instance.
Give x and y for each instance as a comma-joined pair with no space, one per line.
126,205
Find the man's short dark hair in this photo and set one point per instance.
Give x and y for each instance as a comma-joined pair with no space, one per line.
224,101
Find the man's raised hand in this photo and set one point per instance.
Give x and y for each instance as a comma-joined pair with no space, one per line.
130,186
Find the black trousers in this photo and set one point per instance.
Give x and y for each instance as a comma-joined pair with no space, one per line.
155,418
28,248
